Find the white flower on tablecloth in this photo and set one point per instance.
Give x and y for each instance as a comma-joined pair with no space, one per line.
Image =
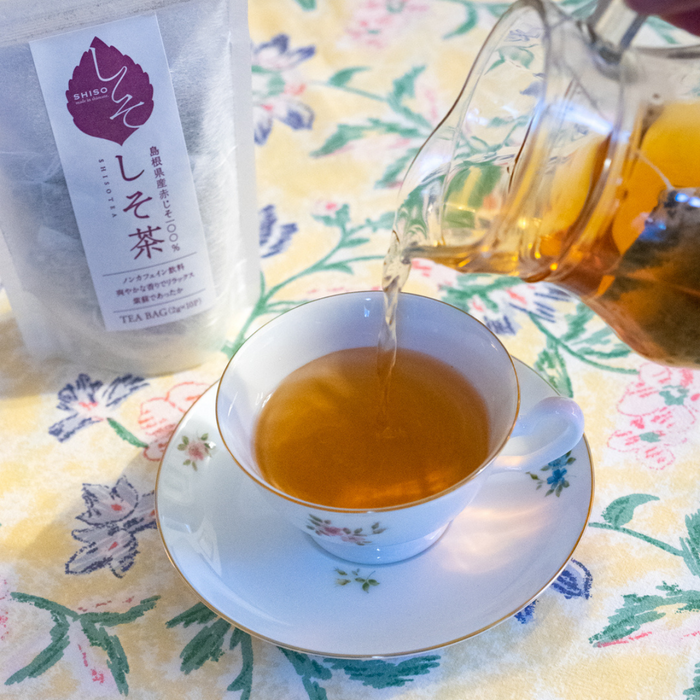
89,663
159,416
439,275
114,517
499,305
657,412
277,87
88,402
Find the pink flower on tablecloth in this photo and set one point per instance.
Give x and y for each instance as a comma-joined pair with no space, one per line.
4,612
323,207
658,410
159,416
377,22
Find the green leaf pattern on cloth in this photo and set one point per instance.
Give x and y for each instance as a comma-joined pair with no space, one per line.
345,93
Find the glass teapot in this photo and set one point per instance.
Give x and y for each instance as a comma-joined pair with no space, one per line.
571,158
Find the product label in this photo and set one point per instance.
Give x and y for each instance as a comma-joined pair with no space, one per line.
113,113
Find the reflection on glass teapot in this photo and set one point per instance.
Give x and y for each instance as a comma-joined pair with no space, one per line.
571,158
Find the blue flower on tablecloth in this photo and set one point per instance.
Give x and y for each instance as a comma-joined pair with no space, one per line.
277,87
524,35
501,326
526,614
533,299
114,517
499,308
274,237
89,402
574,582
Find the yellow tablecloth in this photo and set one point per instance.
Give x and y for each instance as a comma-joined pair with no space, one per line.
345,91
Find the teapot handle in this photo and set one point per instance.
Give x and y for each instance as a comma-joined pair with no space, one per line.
611,27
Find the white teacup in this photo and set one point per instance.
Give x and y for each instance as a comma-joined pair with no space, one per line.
383,535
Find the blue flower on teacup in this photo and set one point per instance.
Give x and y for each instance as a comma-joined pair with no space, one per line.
557,480
325,528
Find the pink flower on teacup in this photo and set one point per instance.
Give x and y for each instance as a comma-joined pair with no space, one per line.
329,530
196,449
357,536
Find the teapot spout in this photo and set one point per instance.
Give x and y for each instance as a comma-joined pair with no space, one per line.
509,178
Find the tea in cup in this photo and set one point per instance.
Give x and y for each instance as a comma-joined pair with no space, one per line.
376,472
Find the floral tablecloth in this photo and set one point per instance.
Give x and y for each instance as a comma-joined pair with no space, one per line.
345,91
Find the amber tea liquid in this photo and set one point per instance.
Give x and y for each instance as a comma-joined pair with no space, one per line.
320,437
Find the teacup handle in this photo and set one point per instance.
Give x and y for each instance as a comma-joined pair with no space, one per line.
549,430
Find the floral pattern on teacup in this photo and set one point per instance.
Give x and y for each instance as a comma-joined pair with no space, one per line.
556,481
356,575
345,534
196,449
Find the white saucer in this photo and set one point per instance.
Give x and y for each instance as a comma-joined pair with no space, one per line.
268,578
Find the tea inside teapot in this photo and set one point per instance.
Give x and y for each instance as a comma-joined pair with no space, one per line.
572,159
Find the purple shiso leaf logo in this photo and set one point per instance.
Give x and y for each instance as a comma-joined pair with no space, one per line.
109,95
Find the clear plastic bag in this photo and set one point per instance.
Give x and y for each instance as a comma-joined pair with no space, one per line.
50,280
